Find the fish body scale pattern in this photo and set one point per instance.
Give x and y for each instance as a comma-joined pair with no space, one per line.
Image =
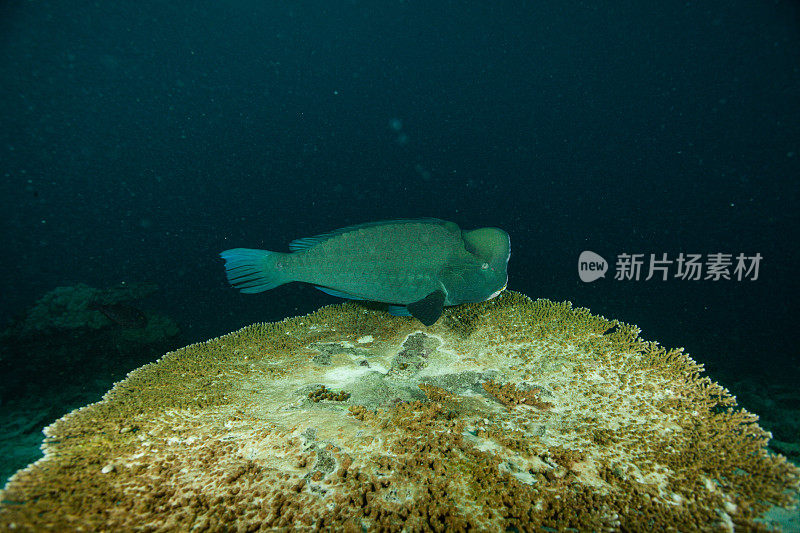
396,263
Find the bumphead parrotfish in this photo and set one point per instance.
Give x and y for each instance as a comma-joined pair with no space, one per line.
417,266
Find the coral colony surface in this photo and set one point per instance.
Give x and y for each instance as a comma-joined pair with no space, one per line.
509,414
65,351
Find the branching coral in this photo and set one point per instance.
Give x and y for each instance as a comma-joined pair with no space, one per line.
509,414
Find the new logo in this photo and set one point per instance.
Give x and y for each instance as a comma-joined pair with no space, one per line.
591,266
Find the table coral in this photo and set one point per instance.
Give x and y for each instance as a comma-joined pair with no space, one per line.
510,413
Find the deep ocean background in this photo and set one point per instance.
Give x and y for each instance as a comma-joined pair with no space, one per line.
140,139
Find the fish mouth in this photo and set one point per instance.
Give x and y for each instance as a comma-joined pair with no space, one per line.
496,293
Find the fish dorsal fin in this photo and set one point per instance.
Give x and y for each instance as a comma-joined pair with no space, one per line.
429,309
309,242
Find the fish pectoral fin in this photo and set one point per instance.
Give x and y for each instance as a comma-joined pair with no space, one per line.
429,309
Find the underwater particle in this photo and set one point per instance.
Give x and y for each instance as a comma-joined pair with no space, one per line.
634,438
395,124
424,173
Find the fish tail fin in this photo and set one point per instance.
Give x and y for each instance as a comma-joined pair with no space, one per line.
253,271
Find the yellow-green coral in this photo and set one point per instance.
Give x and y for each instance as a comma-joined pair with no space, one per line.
323,393
510,396
507,414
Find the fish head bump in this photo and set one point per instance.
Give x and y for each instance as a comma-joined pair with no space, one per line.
484,272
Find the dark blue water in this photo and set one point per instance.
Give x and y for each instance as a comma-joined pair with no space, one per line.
139,139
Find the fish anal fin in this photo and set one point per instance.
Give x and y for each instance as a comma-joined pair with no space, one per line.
429,309
398,310
338,294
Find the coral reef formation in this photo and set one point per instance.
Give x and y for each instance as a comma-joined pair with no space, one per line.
70,307
64,352
67,326
510,413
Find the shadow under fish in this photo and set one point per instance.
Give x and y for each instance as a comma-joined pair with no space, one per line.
123,315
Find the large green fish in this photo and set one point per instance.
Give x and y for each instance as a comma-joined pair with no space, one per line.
417,266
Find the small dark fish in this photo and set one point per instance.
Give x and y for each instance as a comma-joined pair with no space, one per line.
121,314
